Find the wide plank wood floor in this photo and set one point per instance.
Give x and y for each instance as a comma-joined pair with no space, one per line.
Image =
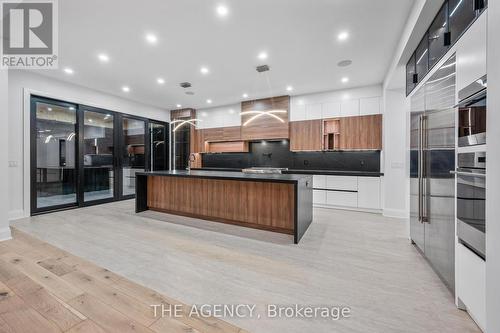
45,289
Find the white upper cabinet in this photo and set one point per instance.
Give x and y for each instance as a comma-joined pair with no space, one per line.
297,112
471,53
349,108
368,106
331,110
313,111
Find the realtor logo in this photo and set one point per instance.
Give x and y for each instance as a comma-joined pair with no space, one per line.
29,34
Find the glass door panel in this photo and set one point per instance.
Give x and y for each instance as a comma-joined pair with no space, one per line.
159,146
98,156
55,166
133,153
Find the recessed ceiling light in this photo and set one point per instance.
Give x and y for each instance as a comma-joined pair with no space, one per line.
344,35
231,111
151,38
345,80
209,101
68,70
125,89
179,106
245,95
90,120
204,70
103,57
49,109
222,10
262,55
289,88
160,80
72,108
204,114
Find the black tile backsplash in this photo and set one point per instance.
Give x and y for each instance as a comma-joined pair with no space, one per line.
277,154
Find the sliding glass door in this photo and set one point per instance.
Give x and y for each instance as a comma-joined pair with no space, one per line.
158,133
54,157
133,152
98,155
82,155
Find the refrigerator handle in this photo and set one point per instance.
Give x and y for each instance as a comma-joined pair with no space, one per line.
425,218
420,168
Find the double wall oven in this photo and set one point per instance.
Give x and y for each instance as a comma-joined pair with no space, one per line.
471,168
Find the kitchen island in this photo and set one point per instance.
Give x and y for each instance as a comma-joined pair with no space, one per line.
274,202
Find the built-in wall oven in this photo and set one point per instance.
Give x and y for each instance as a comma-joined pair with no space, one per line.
472,114
471,201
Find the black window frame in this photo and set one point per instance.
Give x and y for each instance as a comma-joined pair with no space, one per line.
117,161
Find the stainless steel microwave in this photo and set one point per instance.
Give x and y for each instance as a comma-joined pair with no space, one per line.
472,114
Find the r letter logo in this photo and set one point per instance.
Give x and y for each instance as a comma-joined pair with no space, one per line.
29,34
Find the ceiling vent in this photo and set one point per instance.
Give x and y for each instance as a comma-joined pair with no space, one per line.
185,85
263,68
190,93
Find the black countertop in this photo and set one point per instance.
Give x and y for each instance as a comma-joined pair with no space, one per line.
310,172
229,175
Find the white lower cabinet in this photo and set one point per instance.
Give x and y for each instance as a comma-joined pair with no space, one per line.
347,191
319,181
471,284
346,183
319,197
369,192
339,198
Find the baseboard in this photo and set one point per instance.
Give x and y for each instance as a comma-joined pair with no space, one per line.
397,213
16,214
5,234
354,209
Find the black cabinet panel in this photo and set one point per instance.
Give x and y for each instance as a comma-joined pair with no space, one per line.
437,30
462,14
422,57
410,73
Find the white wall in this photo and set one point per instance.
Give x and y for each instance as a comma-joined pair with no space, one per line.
220,116
493,179
4,190
18,125
396,191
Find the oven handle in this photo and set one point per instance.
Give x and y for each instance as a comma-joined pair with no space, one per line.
472,174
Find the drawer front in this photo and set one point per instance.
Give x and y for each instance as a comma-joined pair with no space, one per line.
345,183
319,197
319,181
346,199
369,193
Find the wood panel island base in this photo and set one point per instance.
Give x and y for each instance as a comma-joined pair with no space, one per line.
274,202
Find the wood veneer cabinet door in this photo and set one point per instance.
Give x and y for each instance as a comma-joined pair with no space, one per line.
265,127
197,142
305,135
370,135
361,132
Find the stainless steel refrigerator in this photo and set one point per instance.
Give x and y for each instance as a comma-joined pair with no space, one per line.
432,157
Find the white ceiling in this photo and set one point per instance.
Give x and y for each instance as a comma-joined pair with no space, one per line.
300,37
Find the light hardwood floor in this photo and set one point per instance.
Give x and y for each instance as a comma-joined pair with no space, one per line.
363,261
45,289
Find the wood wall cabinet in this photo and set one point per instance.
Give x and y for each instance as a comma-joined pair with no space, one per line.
218,140
227,147
197,141
362,132
265,127
305,135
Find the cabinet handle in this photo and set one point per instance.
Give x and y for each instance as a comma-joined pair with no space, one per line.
447,38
